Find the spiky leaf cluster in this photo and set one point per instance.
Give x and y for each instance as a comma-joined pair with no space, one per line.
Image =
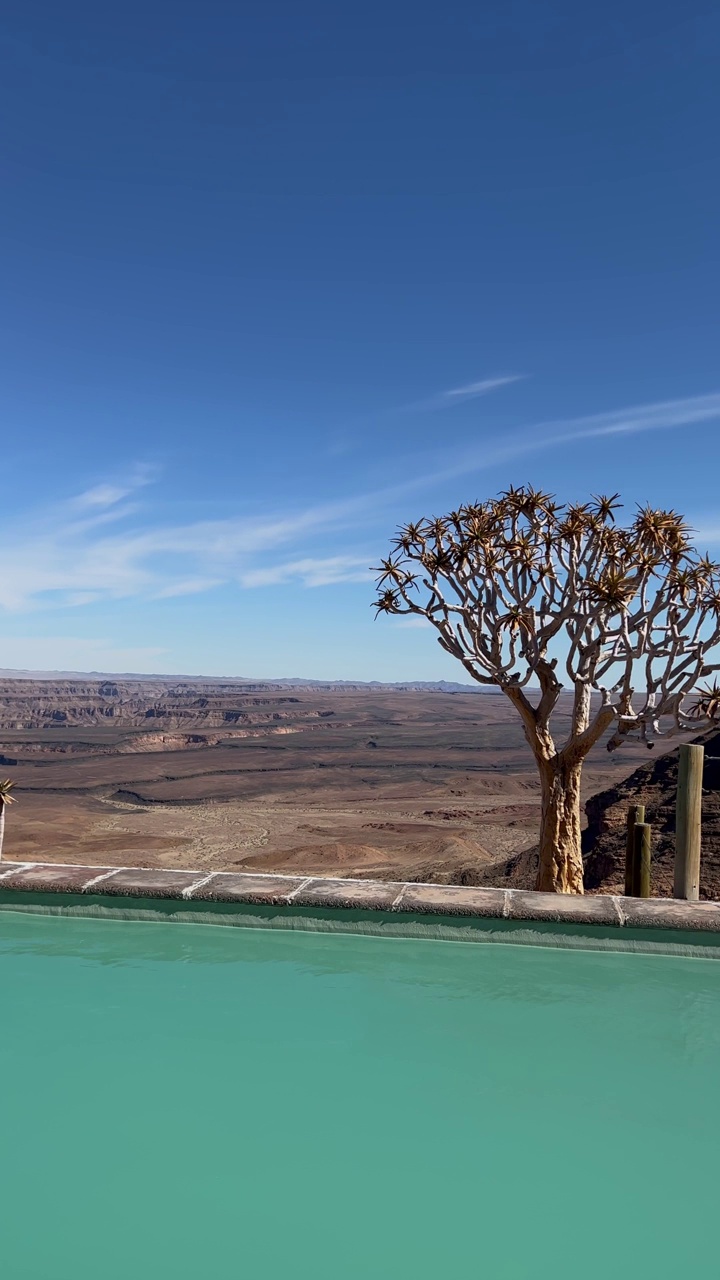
6,787
508,580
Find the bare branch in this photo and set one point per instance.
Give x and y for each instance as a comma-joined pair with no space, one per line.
502,580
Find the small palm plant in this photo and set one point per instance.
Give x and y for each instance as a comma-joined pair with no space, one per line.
5,799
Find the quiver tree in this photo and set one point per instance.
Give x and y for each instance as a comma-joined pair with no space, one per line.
522,590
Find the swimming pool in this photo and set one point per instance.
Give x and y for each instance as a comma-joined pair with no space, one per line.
185,1100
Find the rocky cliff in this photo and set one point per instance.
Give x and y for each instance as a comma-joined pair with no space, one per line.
40,704
655,786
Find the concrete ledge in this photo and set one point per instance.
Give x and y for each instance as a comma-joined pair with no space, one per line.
453,900
132,882
49,878
669,913
370,895
508,905
230,886
563,908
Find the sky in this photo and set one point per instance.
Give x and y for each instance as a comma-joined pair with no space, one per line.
280,276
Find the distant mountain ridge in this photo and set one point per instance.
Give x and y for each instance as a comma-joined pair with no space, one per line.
283,682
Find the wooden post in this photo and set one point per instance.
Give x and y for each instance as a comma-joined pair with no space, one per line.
636,813
688,821
642,853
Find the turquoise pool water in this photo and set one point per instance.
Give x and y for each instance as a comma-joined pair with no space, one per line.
194,1101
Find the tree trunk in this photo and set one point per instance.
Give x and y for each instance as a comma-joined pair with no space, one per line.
560,869
2,827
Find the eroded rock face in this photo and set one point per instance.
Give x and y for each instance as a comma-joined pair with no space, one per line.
655,786
39,704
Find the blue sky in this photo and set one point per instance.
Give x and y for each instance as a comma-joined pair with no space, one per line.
279,276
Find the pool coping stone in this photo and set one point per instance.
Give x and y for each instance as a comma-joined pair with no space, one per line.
368,895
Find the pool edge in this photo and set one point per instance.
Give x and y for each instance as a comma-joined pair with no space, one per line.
399,909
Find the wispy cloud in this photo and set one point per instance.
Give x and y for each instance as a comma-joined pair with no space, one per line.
706,535
188,587
310,572
65,558
106,543
480,388
458,395
659,416
103,496
349,438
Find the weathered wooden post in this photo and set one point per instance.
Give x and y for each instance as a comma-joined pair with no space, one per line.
688,822
642,854
636,813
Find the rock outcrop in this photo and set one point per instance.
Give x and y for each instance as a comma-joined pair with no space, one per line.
655,786
45,704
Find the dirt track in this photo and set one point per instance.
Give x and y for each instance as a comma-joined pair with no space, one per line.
427,786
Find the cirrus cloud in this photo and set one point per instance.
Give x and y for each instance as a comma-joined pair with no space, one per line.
104,543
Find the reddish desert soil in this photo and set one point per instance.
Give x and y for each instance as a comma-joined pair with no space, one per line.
365,782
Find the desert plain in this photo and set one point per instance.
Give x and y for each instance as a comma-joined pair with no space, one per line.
370,781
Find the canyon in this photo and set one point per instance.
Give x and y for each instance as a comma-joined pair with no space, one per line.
410,782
